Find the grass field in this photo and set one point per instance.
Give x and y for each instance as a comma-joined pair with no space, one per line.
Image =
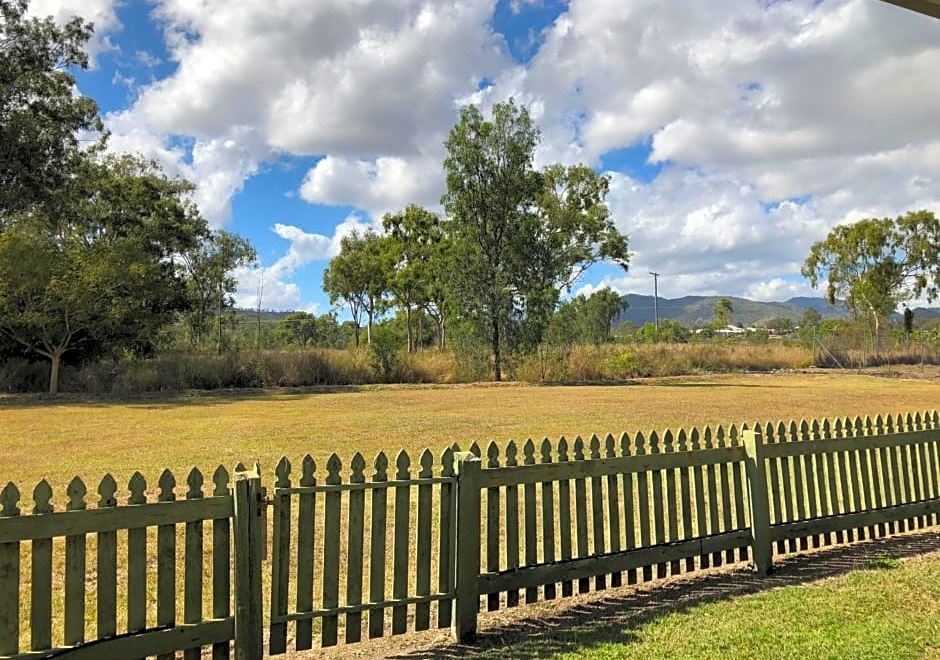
60,438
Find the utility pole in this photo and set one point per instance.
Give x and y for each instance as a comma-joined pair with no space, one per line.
656,298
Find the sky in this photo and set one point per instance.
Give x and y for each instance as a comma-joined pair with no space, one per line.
735,132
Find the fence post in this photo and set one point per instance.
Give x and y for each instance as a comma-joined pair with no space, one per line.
761,548
248,541
467,545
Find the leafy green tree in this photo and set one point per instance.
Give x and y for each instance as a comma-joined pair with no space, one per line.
41,113
211,284
103,276
358,277
519,235
410,244
908,321
669,330
303,329
876,264
585,319
811,318
722,311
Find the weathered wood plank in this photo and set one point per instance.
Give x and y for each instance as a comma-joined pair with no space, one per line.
759,533
355,545
724,478
377,542
75,570
423,533
306,526
580,568
529,522
221,563
137,560
166,560
106,596
740,497
548,518
400,569
512,523
193,568
332,502
40,615
711,481
698,484
280,556
643,499
9,576
447,531
564,515
837,444
854,520
467,601
492,524
613,509
580,514
685,496
629,502
597,512
659,498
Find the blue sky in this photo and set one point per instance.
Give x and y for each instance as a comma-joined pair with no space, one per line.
734,134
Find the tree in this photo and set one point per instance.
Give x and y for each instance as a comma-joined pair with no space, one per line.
100,275
212,283
519,235
303,329
669,330
410,244
586,319
41,113
357,276
722,311
876,264
811,318
908,321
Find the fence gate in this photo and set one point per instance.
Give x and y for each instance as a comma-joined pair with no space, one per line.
386,539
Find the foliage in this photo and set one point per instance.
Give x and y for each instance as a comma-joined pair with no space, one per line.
722,311
876,264
98,276
669,331
585,319
519,235
384,351
357,276
303,329
41,112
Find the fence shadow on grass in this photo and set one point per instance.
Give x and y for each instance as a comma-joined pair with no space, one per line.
580,623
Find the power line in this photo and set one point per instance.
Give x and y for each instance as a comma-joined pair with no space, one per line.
655,298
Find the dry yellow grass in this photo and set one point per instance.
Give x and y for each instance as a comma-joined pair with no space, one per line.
58,439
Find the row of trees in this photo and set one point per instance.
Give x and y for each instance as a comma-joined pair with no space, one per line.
513,239
99,253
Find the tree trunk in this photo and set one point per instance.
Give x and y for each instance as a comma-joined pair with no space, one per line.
408,323
440,333
56,358
369,330
221,299
497,366
358,330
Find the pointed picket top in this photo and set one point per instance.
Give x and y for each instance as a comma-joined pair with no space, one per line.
781,431
333,467
492,454
720,439
624,444
669,441
837,428
546,451
511,453
793,432
935,419
427,464
694,440
455,447
528,452
357,468
858,427
640,443
815,430
609,446
707,441
9,497
380,465
848,428
825,432
167,483
76,492
240,467
578,448
475,449
918,421
447,462
562,449
889,423
869,425
769,432
402,464
282,472
595,446
195,481
138,487
915,421
308,468
682,441
734,436
106,490
220,480
804,430
42,498
654,442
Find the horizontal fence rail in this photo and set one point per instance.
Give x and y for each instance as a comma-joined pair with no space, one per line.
359,551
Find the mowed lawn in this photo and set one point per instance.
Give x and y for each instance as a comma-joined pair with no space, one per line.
58,439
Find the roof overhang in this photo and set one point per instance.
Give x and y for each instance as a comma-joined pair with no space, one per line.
928,7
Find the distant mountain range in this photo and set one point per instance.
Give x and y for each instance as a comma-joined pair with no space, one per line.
699,310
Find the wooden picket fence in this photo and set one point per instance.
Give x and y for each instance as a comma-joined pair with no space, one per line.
413,547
